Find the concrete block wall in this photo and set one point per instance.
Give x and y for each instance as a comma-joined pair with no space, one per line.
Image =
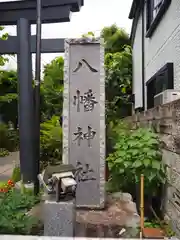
165,119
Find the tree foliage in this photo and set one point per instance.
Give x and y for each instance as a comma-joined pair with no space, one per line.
4,36
8,88
115,38
8,96
52,88
51,141
118,67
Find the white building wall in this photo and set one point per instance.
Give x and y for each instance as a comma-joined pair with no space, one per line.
164,44
162,47
137,64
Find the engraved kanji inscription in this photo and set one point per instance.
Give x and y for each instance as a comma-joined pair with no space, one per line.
79,135
89,135
80,64
78,100
84,172
88,100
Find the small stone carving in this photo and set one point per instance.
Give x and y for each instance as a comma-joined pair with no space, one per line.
59,181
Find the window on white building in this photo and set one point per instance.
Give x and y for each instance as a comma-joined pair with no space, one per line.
160,81
155,9
157,5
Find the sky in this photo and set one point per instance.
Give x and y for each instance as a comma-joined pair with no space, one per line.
93,16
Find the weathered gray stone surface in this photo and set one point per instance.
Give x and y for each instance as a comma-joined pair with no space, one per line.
173,177
172,159
106,222
174,196
172,206
174,217
118,212
122,196
59,218
10,237
84,81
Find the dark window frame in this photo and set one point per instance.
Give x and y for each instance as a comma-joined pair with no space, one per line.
152,22
160,81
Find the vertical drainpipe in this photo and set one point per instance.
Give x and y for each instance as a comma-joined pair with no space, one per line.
143,75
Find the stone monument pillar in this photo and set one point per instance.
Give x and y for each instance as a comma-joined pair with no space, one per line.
84,118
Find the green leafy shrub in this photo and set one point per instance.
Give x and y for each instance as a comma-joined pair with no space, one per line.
9,139
16,175
13,140
3,185
9,95
13,218
160,224
4,152
51,141
136,152
168,230
152,224
3,135
118,81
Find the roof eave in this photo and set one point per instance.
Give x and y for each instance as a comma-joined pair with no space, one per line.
132,10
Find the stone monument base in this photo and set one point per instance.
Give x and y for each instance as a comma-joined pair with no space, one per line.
59,218
119,215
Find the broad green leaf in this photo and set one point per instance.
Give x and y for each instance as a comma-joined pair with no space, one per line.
137,164
151,176
147,162
119,160
121,170
156,164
